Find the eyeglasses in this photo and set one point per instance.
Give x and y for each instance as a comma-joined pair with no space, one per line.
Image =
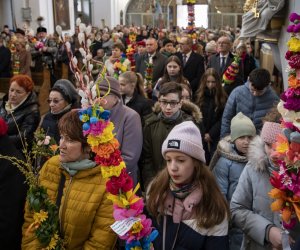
172,104
55,101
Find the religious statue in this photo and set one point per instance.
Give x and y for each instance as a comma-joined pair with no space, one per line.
258,14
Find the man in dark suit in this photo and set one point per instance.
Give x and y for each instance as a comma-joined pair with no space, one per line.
45,55
157,59
221,61
193,63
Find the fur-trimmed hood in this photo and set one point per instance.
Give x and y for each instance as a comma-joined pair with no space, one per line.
257,156
187,107
225,149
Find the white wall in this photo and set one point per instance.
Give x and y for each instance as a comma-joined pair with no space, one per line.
109,10
38,8
5,14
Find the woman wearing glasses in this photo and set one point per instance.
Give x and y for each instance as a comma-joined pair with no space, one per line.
168,112
20,110
62,98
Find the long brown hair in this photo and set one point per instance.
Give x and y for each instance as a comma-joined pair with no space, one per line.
180,78
212,209
220,96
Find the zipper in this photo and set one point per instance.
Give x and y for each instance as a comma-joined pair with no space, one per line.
63,208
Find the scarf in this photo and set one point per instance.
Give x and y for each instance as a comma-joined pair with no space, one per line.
73,167
181,191
169,119
10,108
67,108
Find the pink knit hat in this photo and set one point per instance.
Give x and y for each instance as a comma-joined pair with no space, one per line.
186,138
270,131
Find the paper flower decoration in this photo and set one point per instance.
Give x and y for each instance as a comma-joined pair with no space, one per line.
232,71
286,181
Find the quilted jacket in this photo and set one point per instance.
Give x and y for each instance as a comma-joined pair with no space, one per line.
85,212
255,107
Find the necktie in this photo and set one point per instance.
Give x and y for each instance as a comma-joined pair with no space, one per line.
223,63
184,59
150,59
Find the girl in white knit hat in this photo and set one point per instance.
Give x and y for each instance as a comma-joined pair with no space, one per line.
184,199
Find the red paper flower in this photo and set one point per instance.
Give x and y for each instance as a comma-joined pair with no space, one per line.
294,61
293,153
3,127
113,160
124,183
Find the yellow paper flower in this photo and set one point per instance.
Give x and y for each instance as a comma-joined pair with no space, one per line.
136,227
53,242
125,200
294,44
123,68
40,217
105,137
111,171
85,118
282,144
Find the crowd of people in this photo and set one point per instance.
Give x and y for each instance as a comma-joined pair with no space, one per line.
195,119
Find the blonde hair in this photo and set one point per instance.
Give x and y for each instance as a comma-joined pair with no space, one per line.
136,79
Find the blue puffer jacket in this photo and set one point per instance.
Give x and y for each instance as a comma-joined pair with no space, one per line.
227,167
255,107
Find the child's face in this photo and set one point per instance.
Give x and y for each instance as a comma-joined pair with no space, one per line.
269,150
116,52
180,167
126,87
173,68
185,95
242,144
211,82
169,104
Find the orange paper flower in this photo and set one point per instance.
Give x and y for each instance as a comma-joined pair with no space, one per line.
107,148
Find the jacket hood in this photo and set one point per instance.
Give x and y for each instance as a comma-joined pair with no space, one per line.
257,155
225,149
187,107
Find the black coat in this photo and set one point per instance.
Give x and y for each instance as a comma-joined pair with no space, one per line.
193,69
27,117
140,104
214,62
50,125
5,62
212,119
248,66
159,62
12,196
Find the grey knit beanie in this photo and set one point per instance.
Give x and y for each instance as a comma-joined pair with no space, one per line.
186,138
67,90
241,125
112,83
